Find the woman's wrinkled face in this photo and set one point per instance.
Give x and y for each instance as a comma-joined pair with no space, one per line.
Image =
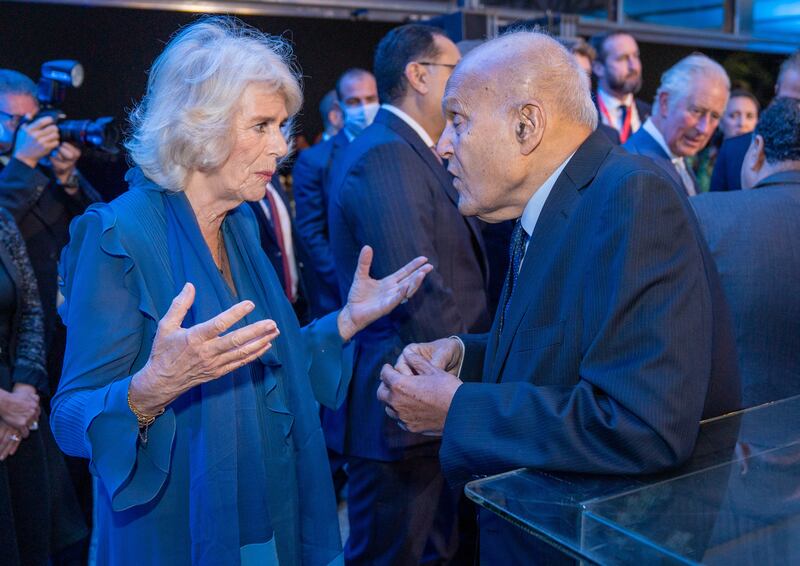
258,144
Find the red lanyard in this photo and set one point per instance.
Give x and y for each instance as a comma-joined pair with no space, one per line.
625,132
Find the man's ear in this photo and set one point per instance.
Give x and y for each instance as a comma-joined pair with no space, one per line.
529,127
336,115
598,69
752,163
417,77
663,104
755,154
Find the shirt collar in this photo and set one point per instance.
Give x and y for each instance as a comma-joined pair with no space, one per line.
530,216
651,129
4,159
613,103
411,122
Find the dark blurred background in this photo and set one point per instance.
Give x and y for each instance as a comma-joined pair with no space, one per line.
117,45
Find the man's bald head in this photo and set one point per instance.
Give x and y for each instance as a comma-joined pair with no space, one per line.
516,108
521,66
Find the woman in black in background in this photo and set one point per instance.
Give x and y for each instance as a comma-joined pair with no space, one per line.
39,513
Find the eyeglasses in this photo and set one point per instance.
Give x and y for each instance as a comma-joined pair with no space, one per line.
429,64
13,119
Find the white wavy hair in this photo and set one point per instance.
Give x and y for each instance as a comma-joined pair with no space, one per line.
184,121
679,80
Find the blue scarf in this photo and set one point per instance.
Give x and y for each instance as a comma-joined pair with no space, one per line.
247,449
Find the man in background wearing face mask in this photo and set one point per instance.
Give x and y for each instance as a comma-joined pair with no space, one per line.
358,99
392,192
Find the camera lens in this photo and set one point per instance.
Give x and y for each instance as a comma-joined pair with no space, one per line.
101,133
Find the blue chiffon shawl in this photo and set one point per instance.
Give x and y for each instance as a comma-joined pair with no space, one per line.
232,461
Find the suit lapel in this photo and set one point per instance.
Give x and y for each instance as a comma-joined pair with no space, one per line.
396,124
549,229
649,147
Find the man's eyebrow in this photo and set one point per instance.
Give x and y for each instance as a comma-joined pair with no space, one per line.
452,104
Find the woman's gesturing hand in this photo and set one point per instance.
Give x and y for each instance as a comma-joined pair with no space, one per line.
182,358
369,299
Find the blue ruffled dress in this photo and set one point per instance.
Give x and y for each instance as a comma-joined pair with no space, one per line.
235,471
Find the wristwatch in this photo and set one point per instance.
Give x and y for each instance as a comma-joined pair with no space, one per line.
72,182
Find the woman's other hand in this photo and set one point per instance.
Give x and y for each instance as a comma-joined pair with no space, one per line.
19,409
369,299
10,439
182,358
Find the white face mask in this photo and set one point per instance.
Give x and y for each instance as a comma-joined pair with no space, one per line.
356,118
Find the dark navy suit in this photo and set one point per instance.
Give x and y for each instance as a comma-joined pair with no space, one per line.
642,143
727,174
754,237
310,177
617,342
393,194
306,285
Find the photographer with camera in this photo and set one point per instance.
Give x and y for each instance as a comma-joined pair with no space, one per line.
43,190
41,186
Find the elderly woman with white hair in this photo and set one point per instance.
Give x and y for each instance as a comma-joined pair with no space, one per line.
187,380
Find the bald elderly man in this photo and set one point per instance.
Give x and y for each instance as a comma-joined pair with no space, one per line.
612,339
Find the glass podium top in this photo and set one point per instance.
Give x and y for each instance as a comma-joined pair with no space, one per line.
736,501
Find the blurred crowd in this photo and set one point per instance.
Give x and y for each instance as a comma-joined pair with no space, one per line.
389,170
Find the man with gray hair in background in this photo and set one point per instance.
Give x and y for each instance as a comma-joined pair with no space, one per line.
686,111
611,341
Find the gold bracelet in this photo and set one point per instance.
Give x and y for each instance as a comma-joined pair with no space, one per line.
144,420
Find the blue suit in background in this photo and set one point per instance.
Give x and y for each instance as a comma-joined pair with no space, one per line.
642,143
310,178
617,342
727,174
754,237
392,193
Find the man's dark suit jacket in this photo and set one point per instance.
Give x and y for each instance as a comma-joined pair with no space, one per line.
307,282
642,108
394,195
43,212
727,173
754,237
618,340
310,178
642,143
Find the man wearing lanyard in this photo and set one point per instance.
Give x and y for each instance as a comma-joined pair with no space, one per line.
619,77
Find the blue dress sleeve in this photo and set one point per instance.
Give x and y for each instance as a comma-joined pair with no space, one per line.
109,336
330,362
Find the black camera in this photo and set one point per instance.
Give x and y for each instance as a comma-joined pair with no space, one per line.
57,77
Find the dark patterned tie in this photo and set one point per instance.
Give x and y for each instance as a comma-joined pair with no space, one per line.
519,237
